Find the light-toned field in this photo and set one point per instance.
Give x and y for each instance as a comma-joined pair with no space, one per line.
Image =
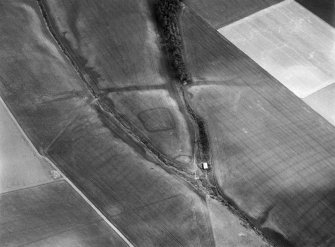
20,167
291,43
158,117
323,102
296,47
272,155
228,230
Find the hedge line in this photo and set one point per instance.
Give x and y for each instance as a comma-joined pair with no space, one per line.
167,13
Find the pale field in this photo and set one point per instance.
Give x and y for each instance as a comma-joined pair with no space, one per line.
323,102
291,43
20,165
228,229
296,47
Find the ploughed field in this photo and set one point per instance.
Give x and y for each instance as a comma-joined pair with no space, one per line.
272,154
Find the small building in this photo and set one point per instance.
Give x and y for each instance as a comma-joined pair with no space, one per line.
204,166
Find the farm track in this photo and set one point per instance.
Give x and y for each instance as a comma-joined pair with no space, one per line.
133,88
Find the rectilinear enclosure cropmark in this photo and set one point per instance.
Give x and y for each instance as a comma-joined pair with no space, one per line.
157,119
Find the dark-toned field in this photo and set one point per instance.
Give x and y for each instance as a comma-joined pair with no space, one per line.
52,215
272,154
219,13
322,8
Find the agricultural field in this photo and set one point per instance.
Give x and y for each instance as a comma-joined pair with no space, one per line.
134,129
37,83
115,44
228,230
66,123
322,8
289,42
20,167
293,45
271,153
32,191
146,203
56,216
160,119
126,59
323,102
219,13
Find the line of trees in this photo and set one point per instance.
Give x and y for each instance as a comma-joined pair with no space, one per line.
167,14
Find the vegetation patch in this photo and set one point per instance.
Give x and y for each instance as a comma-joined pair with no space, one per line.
167,14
